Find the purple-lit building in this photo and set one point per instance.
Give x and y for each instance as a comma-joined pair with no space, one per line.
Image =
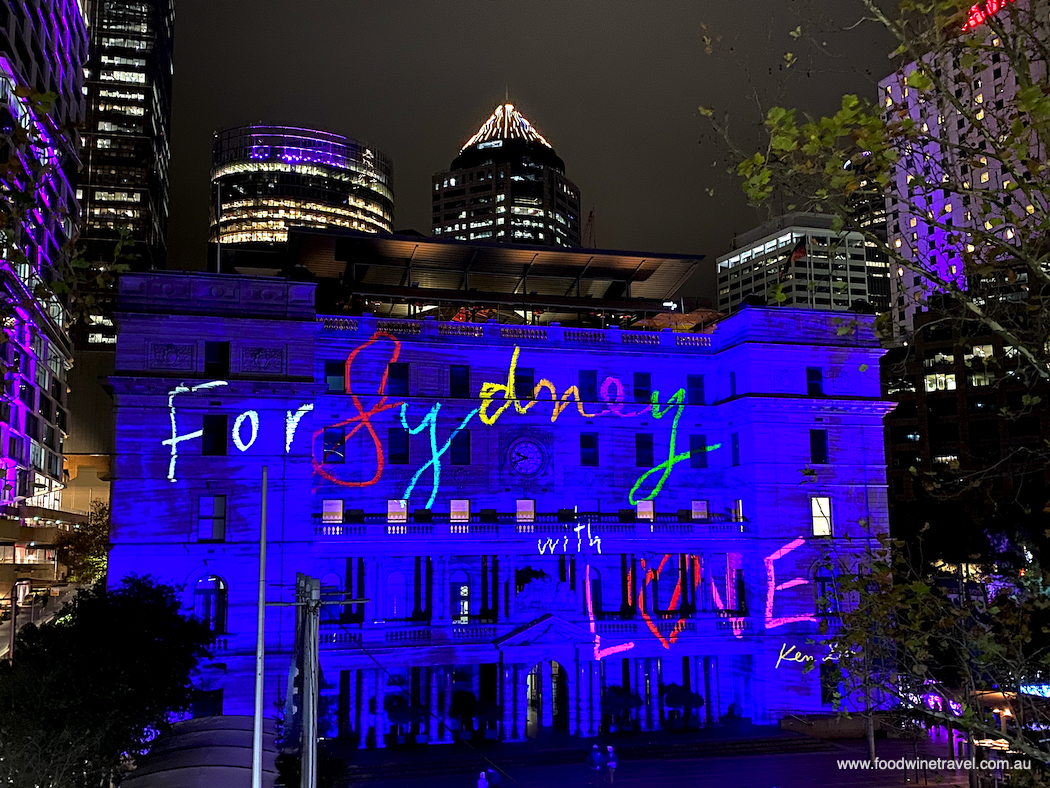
934,198
43,49
533,514
267,178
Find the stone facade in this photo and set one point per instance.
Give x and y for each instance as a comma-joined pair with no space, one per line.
569,511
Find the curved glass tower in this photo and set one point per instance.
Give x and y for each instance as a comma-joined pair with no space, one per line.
266,179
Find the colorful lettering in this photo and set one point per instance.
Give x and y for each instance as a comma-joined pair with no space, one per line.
772,587
430,421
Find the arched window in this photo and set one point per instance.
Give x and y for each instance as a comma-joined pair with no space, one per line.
209,603
826,589
396,599
459,597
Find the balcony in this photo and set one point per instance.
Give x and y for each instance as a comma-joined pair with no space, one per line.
547,526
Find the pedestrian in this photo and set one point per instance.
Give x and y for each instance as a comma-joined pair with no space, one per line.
594,763
492,775
483,781
610,764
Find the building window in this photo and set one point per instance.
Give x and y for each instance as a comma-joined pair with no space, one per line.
332,510
217,359
459,597
396,511
459,451
826,590
459,511
643,387
814,381
589,449
646,511
209,603
526,510
643,450
589,385
213,441
697,451
524,383
211,518
700,510
395,603
821,512
397,379
695,389
334,449
459,381
941,382
734,445
333,377
732,384
397,445
818,447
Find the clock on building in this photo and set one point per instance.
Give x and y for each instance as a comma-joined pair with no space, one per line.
525,457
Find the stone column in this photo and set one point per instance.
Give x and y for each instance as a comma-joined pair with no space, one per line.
361,707
447,705
435,715
366,715
508,573
547,694
506,699
440,612
377,593
640,688
523,701
571,692
596,696
716,694
583,698
380,711
655,718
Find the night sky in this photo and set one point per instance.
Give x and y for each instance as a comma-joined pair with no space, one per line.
612,84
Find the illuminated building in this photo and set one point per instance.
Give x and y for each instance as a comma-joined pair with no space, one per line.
124,183
532,515
266,179
43,49
815,266
926,224
507,185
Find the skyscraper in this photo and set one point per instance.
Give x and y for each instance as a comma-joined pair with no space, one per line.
813,265
43,48
507,185
124,184
266,179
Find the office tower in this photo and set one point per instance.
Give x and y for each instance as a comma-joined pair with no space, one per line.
507,185
497,515
266,179
43,50
812,265
127,137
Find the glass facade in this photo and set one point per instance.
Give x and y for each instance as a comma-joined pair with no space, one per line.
124,183
266,179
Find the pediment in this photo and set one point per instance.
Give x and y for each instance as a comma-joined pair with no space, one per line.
547,630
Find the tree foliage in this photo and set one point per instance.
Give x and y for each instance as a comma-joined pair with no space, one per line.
84,550
89,689
956,146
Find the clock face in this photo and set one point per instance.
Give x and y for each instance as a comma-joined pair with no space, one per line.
526,457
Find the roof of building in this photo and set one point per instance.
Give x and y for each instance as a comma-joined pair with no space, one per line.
506,123
405,266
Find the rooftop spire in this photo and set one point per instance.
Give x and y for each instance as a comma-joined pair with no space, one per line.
506,123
